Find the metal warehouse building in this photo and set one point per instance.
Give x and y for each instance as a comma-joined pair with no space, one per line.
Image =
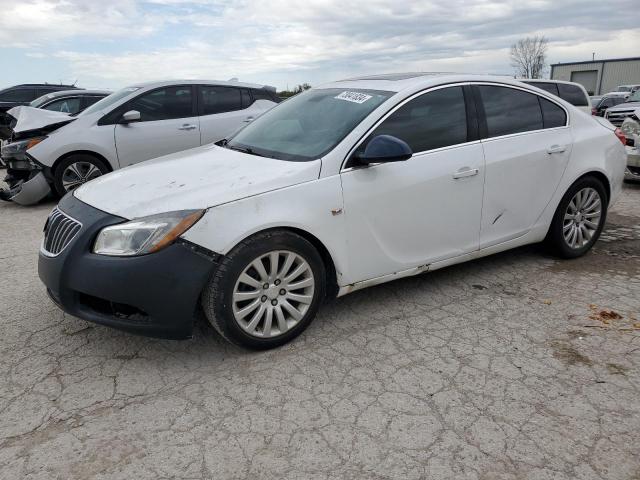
599,76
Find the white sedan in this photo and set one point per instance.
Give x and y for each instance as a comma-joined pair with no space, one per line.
138,123
345,186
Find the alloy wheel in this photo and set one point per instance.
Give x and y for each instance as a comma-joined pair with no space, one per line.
273,293
79,173
582,218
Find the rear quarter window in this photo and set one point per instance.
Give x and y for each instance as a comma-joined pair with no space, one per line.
552,115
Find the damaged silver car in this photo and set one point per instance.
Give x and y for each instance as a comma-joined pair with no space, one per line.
25,178
631,129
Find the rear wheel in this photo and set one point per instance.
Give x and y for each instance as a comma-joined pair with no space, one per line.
266,291
579,219
76,170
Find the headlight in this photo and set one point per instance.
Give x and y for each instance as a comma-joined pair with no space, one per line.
18,149
145,235
630,127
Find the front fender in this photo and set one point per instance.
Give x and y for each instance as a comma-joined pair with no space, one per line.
313,207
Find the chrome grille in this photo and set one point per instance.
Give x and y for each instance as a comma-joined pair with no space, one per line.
59,230
617,116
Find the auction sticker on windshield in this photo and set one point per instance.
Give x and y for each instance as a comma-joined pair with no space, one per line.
354,97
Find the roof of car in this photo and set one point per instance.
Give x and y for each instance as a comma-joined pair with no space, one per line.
402,81
63,93
230,83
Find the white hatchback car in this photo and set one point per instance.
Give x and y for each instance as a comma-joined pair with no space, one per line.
142,122
347,185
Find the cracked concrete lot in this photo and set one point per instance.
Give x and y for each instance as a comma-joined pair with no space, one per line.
516,366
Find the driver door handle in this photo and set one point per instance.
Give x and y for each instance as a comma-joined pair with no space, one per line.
187,126
249,119
556,149
465,172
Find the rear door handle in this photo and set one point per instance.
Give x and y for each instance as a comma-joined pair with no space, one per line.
249,119
556,149
187,126
465,172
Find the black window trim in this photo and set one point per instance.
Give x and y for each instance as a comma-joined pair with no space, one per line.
57,99
111,118
484,136
473,126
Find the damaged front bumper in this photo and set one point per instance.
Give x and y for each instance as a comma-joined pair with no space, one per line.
28,192
27,181
154,295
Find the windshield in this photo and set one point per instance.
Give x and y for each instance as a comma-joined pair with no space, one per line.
623,88
634,97
309,125
41,100
109,100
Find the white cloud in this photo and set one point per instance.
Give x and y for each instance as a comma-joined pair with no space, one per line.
316,40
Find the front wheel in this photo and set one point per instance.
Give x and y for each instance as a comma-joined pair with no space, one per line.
266,291
76,170
579,219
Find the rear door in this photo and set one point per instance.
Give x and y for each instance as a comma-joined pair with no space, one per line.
168,123
526,142
223,111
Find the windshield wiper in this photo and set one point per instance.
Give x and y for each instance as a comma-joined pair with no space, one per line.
242,149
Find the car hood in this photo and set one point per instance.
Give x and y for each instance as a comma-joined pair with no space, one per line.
30,118
193,179
624,106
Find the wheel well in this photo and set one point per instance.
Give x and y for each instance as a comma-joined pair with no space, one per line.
82,152
332,279
603,178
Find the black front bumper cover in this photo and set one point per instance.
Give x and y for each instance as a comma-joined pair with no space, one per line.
155,295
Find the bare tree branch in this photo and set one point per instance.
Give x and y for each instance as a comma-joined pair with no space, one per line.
529,56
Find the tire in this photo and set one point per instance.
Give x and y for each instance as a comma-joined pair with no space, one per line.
582,213
244,319
87,167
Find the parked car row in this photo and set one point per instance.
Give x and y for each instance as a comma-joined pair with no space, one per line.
54,151
347,185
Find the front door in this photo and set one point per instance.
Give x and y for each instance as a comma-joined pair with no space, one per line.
408,214
168,123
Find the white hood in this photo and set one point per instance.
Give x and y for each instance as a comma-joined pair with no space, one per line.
30,118
199,178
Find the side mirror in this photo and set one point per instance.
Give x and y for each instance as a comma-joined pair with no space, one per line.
130,117
383,149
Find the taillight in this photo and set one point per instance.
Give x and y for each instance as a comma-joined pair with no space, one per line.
594,111
621,136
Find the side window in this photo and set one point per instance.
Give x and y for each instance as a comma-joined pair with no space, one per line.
261,95
65,105
88,101
433,120
219,99
617,101
508,110
163,104
547,87
552,115
573,94
18,95
607,102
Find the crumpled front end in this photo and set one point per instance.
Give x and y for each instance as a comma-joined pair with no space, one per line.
27,181
631,128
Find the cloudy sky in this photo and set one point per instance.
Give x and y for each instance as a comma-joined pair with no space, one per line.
112,43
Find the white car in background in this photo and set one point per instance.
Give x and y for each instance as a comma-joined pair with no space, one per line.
571,92
141,122
347,185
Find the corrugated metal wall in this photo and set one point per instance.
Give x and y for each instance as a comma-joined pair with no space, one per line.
615,73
